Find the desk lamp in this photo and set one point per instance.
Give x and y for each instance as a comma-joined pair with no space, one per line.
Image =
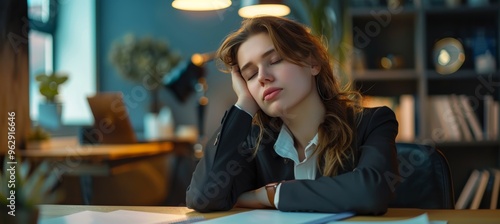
189,77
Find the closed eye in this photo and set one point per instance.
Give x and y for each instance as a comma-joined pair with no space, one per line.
252,76
276,61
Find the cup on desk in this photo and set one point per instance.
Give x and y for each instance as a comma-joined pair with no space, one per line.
188,132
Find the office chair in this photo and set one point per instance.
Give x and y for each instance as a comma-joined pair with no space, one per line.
425,178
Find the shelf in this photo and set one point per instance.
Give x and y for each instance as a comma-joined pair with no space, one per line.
386,82
376,38
477,145
385,75
371,11
411,35
458,75
463,10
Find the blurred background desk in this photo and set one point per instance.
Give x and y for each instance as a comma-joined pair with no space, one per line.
482,216
97,159
128,174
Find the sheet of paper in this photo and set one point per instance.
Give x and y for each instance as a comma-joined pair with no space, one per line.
261,216
146,217
85,217
119,216
421,219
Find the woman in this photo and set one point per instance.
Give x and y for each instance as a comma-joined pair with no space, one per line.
312,146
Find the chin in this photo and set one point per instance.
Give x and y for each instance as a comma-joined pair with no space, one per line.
278,111
270,111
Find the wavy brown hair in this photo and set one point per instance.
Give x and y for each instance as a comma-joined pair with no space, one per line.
294,43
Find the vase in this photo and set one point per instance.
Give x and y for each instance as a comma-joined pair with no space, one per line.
49,115
484,52
160,125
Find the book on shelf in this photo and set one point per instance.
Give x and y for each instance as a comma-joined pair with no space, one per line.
471,117
443,122
406,117
481,190
453,118
490,196
404,109
491,113
495,120
495,189
481,187
460,118
468,191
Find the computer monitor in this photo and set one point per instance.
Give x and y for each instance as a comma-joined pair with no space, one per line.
111,120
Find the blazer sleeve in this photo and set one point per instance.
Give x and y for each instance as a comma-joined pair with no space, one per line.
226,169
365,190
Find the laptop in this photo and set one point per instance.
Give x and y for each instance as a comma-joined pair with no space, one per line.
111,120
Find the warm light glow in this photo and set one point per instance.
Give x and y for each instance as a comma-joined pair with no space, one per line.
444,57
461,57
264,9
386,63
200,59
201,5
197,59
448,55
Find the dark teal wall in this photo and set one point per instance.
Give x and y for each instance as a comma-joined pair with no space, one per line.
188,32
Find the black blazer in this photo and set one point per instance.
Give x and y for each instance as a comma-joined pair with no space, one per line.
228,169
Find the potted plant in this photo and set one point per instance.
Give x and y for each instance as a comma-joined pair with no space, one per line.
22,189
50,110
329,20
146,61
38,138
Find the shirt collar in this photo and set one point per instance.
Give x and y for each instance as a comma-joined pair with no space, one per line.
285,148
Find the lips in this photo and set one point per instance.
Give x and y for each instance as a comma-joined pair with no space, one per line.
270,93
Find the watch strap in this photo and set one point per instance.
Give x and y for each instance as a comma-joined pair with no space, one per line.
271,192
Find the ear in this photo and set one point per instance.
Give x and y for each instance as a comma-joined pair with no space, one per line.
315,69
314,66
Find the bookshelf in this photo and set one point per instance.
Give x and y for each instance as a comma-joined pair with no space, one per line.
393,44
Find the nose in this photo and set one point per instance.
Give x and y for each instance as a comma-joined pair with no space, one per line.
265,75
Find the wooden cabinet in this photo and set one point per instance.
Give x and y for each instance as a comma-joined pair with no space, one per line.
394,54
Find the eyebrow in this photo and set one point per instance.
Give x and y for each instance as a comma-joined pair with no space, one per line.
268,52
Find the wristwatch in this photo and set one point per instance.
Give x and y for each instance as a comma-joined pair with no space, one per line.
271,192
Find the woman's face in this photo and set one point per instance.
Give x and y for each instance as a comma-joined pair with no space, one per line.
278,86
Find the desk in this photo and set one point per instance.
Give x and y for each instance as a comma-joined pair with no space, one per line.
452,216
101,158
86,161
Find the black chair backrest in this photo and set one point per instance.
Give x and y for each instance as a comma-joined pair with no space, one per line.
424,178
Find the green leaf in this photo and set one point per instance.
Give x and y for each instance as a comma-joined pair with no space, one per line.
49,84
31,188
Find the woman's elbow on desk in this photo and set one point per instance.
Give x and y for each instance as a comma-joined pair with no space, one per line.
203,202
375,200
374,205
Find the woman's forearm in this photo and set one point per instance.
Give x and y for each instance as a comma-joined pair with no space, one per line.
254,199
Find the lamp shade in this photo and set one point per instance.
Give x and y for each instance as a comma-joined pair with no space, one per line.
253,8
201,5
183,78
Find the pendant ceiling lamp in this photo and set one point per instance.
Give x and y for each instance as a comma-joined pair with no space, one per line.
253,8
201,5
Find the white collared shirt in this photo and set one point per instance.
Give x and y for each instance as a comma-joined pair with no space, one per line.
305,169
